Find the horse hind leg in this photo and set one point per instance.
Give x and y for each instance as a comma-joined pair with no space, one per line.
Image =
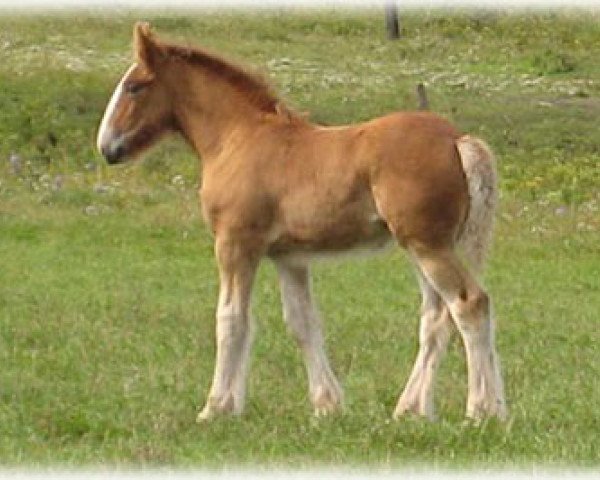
434,332
470,308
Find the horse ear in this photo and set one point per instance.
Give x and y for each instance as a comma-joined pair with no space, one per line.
146,49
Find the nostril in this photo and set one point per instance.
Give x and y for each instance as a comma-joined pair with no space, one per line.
120,150
113,154
113,151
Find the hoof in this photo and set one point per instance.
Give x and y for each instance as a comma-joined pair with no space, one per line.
482,410
206,414
412,407
327,401
215,408
327,410
403,413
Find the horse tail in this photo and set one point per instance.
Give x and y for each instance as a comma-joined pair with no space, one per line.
479,166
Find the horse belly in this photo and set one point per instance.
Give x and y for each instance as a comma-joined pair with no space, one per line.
320,228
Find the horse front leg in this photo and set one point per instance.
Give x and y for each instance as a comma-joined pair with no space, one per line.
304,323
234,328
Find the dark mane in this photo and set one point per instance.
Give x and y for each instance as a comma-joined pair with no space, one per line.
251,85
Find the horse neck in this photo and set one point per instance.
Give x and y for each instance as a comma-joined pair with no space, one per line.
208,110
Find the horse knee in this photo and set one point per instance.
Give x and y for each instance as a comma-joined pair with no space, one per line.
232,327
301,319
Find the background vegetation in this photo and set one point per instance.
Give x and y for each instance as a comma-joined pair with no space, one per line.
108,286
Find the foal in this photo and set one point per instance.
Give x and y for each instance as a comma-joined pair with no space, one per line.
275,185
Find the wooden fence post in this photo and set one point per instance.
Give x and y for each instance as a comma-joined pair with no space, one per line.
422,97
391,20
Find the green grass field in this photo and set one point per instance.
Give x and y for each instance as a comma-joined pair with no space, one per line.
108,285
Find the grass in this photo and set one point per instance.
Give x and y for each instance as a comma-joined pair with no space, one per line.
108,286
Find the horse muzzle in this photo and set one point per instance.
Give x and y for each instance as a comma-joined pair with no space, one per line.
113,149
113,154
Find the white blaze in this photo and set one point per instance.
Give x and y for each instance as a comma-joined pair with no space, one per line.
105,131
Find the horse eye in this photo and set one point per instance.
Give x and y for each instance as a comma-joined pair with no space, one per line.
134,87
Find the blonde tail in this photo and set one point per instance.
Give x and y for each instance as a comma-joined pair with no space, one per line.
480,170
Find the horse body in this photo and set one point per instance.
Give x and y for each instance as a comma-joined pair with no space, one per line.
321,190
275,185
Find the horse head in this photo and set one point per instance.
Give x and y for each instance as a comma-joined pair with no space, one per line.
140,109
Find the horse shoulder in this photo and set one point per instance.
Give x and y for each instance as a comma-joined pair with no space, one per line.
233,197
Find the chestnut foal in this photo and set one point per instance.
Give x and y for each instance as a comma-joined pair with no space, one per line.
275,185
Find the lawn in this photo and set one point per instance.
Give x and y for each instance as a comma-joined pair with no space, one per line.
108,283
